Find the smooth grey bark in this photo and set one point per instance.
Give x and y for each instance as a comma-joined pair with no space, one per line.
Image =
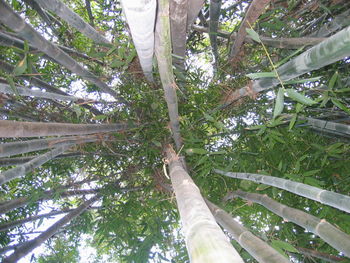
44,16
61,192
22,169
178,26
332,49
339,21
20,160
17,24
333,199
164,59
19,129
257,248
12,224
328,126
10,39
21,116
7,206
255,9
28,246
194,7
43,85
74,20
320,255
7,89
290,43
205,240
329,233
19,147
214,13
141,17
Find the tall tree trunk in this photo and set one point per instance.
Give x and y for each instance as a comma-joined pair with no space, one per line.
336,200
163,53
332,235
204,239
289,43
214,12
17,24
256,8
47,195
18,129
178,26
194,7
43,85
338,22
21,160
334,48
7,89
19,147
74,20
22,169
28,246
12,224
257,248
141,17
329,126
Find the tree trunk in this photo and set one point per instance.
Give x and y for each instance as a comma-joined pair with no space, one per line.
334,48
194,7
256,8
178,26
332,235
22,169
74,20
336,200
17,24
141,17
43,85
163,53
12,224
18,129
257,248
19,147
204,239
214,12
289,43
21,160
47,195
28,246
4,88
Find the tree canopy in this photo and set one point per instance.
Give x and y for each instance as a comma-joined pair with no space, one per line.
129,127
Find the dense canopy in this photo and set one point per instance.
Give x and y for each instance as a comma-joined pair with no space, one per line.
174,131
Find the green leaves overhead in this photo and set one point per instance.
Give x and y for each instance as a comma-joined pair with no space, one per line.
299,97
279,104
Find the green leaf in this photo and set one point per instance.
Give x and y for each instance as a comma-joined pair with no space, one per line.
279,103
299,97
284,245
116,63
21,67
340,105
196,151
311,173
255,36
298,81
292,121
333,80
262,187
260,75
111,50
100,117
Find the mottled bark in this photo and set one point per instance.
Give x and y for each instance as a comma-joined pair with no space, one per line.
19,129
329,233
257,248
336,200
204,239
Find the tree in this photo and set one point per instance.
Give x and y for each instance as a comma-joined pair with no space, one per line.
96,95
